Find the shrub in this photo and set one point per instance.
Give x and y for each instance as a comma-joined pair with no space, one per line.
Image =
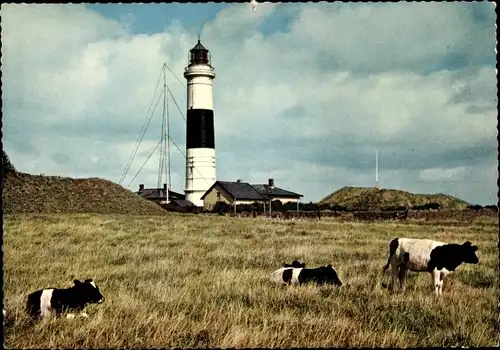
290,206
276,205
222,207
427,206
475,207
491,207
7,166
395,208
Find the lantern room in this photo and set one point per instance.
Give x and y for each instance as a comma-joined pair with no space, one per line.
199,55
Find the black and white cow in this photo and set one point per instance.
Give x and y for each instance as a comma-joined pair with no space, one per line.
296,264
437,258
44,302
319,275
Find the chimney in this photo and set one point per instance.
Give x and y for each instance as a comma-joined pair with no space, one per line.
238,181
141,187
271,182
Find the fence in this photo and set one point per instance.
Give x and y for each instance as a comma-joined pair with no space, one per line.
424,215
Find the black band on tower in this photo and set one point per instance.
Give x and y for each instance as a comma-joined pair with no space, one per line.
200,128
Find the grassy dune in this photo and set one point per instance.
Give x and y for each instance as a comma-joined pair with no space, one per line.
26,193
198,281
371,198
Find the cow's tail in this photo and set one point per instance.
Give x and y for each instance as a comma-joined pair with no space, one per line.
393,246
392,250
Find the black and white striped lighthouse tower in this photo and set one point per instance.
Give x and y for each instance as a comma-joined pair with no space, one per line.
200,139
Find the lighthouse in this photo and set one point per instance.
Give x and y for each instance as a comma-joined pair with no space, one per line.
200,139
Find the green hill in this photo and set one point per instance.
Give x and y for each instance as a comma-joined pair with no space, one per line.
25,193
371,198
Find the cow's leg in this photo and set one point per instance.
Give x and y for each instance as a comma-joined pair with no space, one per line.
441,281
403,267
395,274
436,276
46,312
402,275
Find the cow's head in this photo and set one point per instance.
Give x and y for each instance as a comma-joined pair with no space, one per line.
295,264
88,291
330,275
468,253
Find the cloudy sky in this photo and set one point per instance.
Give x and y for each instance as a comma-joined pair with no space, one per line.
304,93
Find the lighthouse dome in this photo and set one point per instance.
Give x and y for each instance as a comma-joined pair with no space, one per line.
199,55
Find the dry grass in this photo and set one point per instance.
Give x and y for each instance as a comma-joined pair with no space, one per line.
196,281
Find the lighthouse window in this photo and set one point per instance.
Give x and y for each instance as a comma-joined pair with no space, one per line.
199,57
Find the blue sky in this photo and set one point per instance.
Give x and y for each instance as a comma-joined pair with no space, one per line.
304,93
152,18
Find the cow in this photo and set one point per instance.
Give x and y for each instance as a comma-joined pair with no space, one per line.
420,255
319,275
44,302
296,264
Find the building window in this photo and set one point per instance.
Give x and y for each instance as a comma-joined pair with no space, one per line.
218,196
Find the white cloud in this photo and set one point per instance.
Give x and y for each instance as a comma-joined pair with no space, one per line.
377,37
443,174
307,106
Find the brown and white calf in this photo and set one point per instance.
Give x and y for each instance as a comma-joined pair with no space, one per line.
437,258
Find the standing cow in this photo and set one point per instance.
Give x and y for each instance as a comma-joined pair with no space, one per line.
437,258
44,302
319,275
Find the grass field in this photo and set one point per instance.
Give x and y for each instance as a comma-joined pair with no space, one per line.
201,281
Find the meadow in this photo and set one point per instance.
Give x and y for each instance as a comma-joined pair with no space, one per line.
203,281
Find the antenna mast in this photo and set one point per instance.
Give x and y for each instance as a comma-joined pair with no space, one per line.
162,155
376,168
165,139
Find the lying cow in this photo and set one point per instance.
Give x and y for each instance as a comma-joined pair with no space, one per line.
438,258
319,275
45,301
295,264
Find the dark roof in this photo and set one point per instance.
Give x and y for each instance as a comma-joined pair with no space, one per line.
238,190
267,190
243,190
199,47
159,193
